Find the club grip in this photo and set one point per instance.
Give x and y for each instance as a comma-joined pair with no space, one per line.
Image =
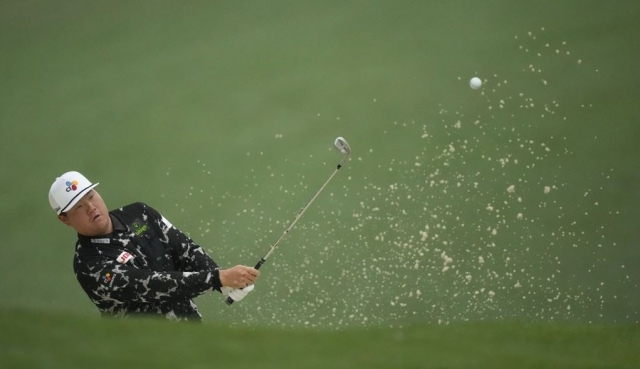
229,300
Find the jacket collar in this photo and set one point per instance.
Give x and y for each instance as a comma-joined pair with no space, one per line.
118,227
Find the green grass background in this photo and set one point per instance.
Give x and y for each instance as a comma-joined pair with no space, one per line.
221,116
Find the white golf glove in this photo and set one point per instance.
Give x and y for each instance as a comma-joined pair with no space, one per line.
237,294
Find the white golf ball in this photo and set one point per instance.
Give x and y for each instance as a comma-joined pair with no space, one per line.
475,83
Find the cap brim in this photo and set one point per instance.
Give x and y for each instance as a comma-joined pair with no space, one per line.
77,198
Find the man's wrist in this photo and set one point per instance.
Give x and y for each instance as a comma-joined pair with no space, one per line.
215,279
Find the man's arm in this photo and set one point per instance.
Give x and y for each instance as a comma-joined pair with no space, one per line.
191,257
187,255
105,279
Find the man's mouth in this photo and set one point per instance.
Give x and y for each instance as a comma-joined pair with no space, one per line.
95,217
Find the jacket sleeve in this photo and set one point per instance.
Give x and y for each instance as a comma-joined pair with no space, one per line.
187,255
105,279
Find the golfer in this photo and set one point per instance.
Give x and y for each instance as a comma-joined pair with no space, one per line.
133,261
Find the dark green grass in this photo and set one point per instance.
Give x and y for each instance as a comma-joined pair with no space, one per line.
40,340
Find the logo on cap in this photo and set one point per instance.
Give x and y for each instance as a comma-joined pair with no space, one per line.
72,186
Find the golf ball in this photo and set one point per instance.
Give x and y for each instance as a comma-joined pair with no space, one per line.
475,83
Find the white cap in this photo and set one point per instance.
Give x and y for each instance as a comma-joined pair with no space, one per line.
67,190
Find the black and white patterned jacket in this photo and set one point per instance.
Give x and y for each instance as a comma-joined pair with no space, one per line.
146,266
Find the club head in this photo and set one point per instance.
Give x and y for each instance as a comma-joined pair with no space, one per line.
342,146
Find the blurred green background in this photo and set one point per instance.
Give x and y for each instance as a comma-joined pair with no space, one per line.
513,202
222,117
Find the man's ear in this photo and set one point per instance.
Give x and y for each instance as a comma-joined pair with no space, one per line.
64,219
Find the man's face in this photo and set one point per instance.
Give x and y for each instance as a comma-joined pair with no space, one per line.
89,216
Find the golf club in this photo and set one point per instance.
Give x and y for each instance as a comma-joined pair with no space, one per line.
341,145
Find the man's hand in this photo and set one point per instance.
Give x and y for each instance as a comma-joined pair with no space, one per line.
239,276
237,294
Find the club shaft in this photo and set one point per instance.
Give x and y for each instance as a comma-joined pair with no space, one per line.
295,220
229,300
